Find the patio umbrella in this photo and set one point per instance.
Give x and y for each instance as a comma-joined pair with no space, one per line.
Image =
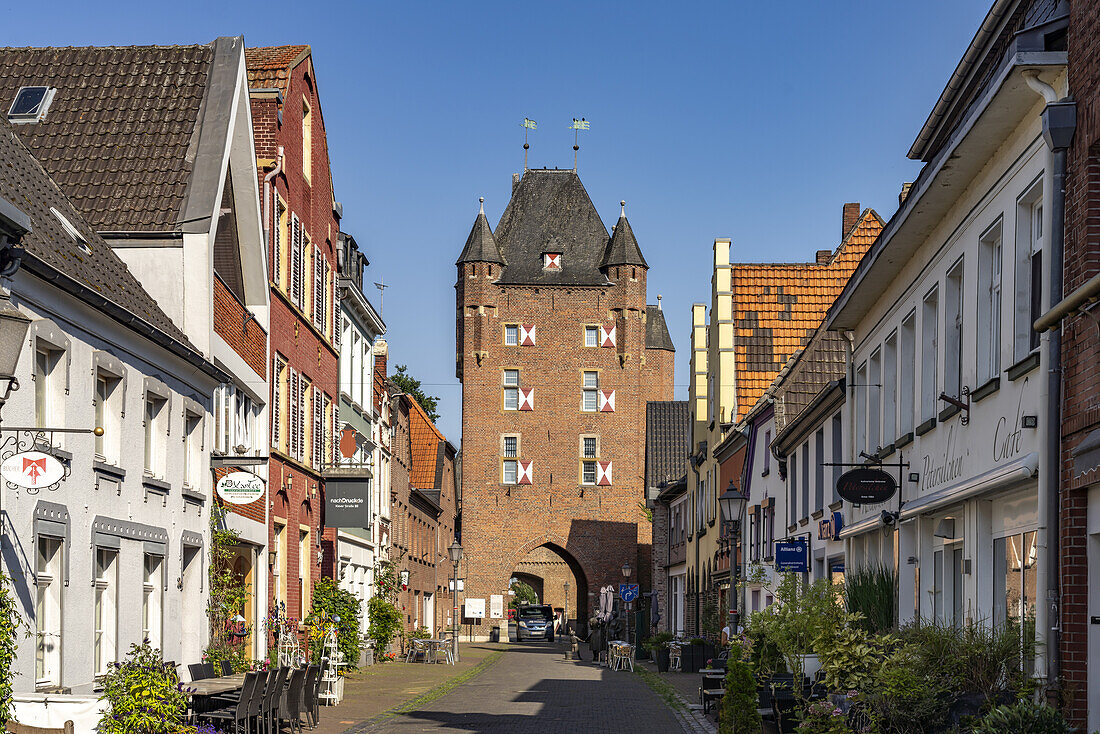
607,603
654,609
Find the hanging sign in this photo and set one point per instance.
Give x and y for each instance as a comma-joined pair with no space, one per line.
792,555
240,488
32,469
866,486
346,503
830,529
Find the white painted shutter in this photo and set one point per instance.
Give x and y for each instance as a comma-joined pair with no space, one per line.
607,336
276,400
318,288
277,245
293,410
336,320
525,472
335,439
603,473
295,260
317,416
607,401
527,398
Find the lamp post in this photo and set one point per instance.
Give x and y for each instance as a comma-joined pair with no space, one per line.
456,555
566,604
733,504
13,332
629,605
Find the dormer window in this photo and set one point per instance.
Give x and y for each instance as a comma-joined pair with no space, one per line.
30,105
551,261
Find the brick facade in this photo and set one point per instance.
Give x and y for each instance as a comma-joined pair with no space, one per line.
242,334
593,530
1080,351
303,344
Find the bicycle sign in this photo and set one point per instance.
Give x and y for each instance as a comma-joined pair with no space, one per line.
628,592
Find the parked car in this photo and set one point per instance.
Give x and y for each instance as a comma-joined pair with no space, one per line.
535,622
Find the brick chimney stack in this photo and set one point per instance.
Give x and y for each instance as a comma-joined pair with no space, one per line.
381,356
823,257
851,216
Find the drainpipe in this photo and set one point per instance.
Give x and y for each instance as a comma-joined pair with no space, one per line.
696,594
267,195
849,408
1059,124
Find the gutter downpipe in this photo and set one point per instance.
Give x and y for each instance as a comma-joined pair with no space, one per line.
1059,124
849,408
269,224
696,594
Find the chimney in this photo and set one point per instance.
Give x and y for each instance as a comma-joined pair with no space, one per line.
851,216
824,256
381,355
515,182
904,193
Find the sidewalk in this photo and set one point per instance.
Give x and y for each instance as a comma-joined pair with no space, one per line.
686,686
378,688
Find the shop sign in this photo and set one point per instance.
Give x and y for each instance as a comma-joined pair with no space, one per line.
240,488
866,486
792,555
32,469
346,503
830,529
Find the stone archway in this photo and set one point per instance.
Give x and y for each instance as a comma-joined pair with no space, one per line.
557,578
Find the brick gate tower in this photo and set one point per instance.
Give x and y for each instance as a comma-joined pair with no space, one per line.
558,353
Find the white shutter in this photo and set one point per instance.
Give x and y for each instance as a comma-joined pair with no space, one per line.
317,416
276,399
335,440
337,322
318,288
277,244
295,260
292,412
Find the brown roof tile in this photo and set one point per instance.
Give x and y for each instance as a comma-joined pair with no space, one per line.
117,133
426,439
778,307
269,66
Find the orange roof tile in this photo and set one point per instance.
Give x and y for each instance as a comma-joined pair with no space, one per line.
269,66
425,438
778,306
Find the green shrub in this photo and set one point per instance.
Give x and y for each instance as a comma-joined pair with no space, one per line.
658,641
822,717
145,696
522,594
740,702
850,657
330,602
11,623
872,593
385,624
1024,717
420,633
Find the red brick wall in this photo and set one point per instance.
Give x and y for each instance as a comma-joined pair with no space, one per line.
293,335
247,340
598,528
1080,348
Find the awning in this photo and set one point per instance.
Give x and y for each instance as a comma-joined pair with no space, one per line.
1002,477
868,523
1086,455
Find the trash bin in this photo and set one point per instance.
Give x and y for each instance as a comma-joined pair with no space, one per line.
494,634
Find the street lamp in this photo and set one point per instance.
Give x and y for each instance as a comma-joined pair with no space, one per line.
456,556
13,332
629,605
733,502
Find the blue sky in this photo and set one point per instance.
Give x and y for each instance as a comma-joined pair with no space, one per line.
754,121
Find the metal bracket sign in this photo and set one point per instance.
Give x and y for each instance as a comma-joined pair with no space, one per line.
628,592
792,555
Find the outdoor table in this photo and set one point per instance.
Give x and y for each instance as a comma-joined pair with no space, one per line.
713,671
214,686
435,647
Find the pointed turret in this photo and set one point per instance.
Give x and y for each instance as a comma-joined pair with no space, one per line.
481,246
622,248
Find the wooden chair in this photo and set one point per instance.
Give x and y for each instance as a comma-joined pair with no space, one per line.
15,728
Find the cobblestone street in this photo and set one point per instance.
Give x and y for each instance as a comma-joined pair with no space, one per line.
532,689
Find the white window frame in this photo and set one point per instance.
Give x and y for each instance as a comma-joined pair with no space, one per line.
874,401
590,389
108,415
154,419
511,335
49,609
105,644
955,284
591,335
152,599
510,388
907,365
509,471
889,388
192,449
929,373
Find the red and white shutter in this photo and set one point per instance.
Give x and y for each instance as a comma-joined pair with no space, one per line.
525,472
603,473
527,335
607,336
527,398
607,401
551,261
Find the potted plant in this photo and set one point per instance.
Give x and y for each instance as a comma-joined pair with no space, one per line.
658,645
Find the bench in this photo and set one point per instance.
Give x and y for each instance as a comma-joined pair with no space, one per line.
709,695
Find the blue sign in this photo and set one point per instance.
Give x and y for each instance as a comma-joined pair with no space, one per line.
830,529
792,555
628,592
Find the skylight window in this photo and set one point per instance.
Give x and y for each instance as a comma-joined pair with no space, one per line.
72,231
30,104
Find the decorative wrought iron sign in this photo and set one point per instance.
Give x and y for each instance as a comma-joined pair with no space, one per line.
27,460
866,486
240,488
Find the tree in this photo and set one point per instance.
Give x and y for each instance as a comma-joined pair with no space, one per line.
411,387
523,594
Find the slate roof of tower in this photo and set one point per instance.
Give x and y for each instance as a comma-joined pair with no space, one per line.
269,66
481,246
777,308
550,211
623,248
667,440
118,134
26,184
656,330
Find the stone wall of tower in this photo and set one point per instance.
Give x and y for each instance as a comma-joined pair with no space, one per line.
594,528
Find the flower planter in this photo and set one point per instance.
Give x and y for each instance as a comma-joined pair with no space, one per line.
692,658
662,660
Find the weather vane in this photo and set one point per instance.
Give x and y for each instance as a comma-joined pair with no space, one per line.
528,126
576,127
